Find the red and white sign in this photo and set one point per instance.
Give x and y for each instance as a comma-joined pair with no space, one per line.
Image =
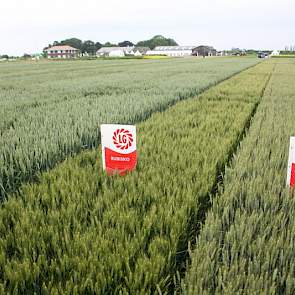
291,164
118,148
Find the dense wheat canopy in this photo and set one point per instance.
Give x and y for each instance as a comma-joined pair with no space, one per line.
206,211
247,243
51,110
78,230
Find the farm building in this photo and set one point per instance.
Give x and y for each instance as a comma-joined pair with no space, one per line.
204,50
275,53
115,51
221,53
36,56
139,51
121,51
172,50
62,51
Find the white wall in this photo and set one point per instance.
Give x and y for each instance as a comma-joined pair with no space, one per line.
174,53
116,53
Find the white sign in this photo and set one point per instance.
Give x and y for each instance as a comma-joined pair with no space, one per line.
118,144
291,164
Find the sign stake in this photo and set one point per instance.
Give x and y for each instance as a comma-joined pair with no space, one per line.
291,163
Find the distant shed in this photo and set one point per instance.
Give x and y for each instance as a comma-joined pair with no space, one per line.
204,50
275,53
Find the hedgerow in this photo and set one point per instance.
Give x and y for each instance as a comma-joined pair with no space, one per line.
51,110
247,243
80,231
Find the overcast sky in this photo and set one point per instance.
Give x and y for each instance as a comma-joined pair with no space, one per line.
26,26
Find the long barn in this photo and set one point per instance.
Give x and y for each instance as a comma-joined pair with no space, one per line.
178,51
172,50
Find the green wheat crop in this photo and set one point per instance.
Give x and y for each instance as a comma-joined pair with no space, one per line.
247,245
51,110
78,231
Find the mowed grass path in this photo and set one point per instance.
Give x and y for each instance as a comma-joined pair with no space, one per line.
79,231
50,110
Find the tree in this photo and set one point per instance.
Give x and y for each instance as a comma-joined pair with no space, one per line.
125,44
89,47
98,45
5,56
252,51
109,44
157,40
26,56
74,42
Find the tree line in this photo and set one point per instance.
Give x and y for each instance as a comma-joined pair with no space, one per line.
90,47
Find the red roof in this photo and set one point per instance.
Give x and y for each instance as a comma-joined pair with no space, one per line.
61,47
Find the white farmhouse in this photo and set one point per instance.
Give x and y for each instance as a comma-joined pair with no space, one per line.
62,51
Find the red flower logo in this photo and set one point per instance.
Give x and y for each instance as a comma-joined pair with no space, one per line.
122,139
